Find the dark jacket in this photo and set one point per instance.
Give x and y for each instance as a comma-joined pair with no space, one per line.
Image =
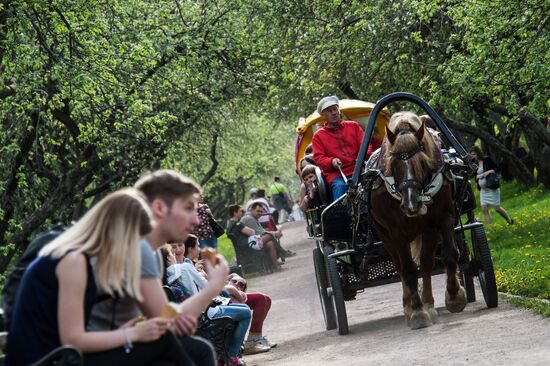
488,164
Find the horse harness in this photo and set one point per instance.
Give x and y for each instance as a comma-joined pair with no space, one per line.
427,191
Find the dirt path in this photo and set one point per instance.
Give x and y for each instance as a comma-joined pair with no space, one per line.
378,334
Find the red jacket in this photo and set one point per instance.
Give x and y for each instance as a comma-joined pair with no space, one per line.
342,143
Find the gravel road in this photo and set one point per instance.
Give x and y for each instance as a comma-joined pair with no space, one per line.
506,335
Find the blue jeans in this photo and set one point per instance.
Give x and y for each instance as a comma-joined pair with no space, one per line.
242,315
339,188
211,242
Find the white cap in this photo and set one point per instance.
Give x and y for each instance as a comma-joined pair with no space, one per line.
327,102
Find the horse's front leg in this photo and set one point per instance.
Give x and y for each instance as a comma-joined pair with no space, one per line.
413,308
427,254
455,297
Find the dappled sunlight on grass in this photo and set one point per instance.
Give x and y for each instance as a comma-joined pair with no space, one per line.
521,252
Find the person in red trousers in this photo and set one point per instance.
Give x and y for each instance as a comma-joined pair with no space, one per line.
260,304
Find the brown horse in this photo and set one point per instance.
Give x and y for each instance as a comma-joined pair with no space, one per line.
412,216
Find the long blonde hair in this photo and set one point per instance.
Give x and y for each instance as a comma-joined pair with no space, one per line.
111,232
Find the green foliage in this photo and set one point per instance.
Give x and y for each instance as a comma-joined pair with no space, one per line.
106,90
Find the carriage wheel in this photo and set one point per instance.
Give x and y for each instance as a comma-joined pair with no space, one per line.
337,293
485,269
322,284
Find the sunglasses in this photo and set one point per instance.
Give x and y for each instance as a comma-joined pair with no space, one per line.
238,283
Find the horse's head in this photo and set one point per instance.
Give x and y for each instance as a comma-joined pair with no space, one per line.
408,160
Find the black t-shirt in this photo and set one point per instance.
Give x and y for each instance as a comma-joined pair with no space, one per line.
234,231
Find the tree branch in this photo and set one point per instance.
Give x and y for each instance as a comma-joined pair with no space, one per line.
9,90
215,162
495,143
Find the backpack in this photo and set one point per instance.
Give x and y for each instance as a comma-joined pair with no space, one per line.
13,280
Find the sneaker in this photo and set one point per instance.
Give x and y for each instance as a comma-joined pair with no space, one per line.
253,347
264,341
290,253
235,361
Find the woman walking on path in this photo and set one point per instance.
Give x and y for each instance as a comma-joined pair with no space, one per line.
488,197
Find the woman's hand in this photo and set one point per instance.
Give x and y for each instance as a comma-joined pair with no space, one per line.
132,322
150,330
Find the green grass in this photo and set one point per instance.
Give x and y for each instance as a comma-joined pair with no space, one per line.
225,248
521,252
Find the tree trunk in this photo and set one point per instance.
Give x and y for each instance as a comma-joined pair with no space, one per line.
212,171
522,173
539,150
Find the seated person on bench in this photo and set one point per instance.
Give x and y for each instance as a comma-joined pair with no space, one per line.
270,216
59,288
246,236
188,277
250,219
336,144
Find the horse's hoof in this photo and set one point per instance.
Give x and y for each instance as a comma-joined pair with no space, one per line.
419,319
456,304
432,314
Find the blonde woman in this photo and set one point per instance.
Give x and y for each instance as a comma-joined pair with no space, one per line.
59,288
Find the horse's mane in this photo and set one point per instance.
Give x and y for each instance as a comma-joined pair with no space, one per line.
404,124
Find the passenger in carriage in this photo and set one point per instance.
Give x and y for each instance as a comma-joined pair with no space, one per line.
336,144
308,188
307,160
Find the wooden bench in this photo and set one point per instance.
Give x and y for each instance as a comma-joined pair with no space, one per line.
251,260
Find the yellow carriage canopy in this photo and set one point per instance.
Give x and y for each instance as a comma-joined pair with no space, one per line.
352,110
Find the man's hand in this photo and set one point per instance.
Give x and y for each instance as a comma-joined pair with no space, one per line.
335,162
278,234
184,325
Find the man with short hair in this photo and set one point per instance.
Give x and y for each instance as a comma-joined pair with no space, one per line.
173,200
335,145
269,238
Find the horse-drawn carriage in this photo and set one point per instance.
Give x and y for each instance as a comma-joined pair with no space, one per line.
399,223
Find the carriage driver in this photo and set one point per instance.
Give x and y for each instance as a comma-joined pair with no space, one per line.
336,143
